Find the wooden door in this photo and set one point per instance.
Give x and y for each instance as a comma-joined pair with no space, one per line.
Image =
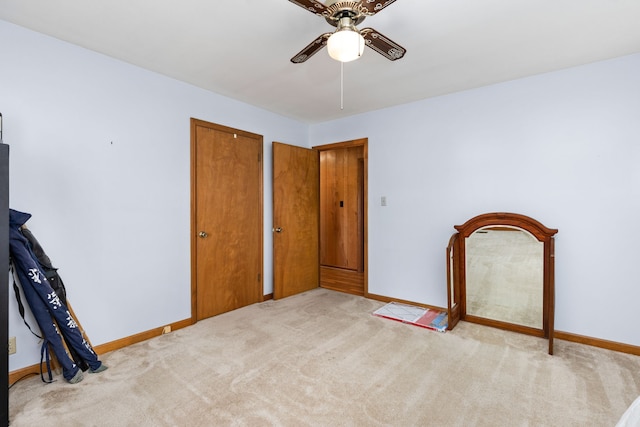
295,219
227,219
343,216
341,199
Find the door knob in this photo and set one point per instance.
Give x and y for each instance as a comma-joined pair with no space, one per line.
278,230
202,234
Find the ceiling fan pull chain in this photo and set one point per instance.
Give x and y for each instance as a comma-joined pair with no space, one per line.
342,85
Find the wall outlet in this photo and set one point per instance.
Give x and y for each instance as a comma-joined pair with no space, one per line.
166,329
12,345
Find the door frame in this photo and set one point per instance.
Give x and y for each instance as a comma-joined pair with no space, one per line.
364,143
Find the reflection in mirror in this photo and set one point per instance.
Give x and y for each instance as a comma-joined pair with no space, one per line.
504,269
452,290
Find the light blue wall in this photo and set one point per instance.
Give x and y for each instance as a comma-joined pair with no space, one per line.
100,156
563,148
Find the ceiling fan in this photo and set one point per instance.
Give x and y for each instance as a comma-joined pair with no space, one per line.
347,43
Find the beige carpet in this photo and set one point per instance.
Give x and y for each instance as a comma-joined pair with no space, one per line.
322,359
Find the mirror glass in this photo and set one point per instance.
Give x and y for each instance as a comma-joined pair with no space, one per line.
451,272
504,275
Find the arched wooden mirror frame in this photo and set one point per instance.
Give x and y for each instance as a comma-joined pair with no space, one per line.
456,272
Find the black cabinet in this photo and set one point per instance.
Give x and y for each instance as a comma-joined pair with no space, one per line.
4,282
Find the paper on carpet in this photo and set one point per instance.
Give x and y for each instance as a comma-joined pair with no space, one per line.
424,317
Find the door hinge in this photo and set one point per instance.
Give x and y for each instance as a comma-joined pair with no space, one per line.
258,277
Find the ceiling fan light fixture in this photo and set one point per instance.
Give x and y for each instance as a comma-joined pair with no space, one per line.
347,42
345,45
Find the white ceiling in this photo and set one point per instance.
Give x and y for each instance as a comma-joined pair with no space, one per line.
242,48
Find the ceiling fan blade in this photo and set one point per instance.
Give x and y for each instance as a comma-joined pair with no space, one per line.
374,6
311,49
383,45
312,6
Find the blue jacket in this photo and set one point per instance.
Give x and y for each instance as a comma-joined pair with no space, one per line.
51,314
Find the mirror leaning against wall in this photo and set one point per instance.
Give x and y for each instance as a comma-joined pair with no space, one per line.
500,273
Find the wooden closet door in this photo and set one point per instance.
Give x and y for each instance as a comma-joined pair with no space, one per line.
227,234
343,216
341,208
